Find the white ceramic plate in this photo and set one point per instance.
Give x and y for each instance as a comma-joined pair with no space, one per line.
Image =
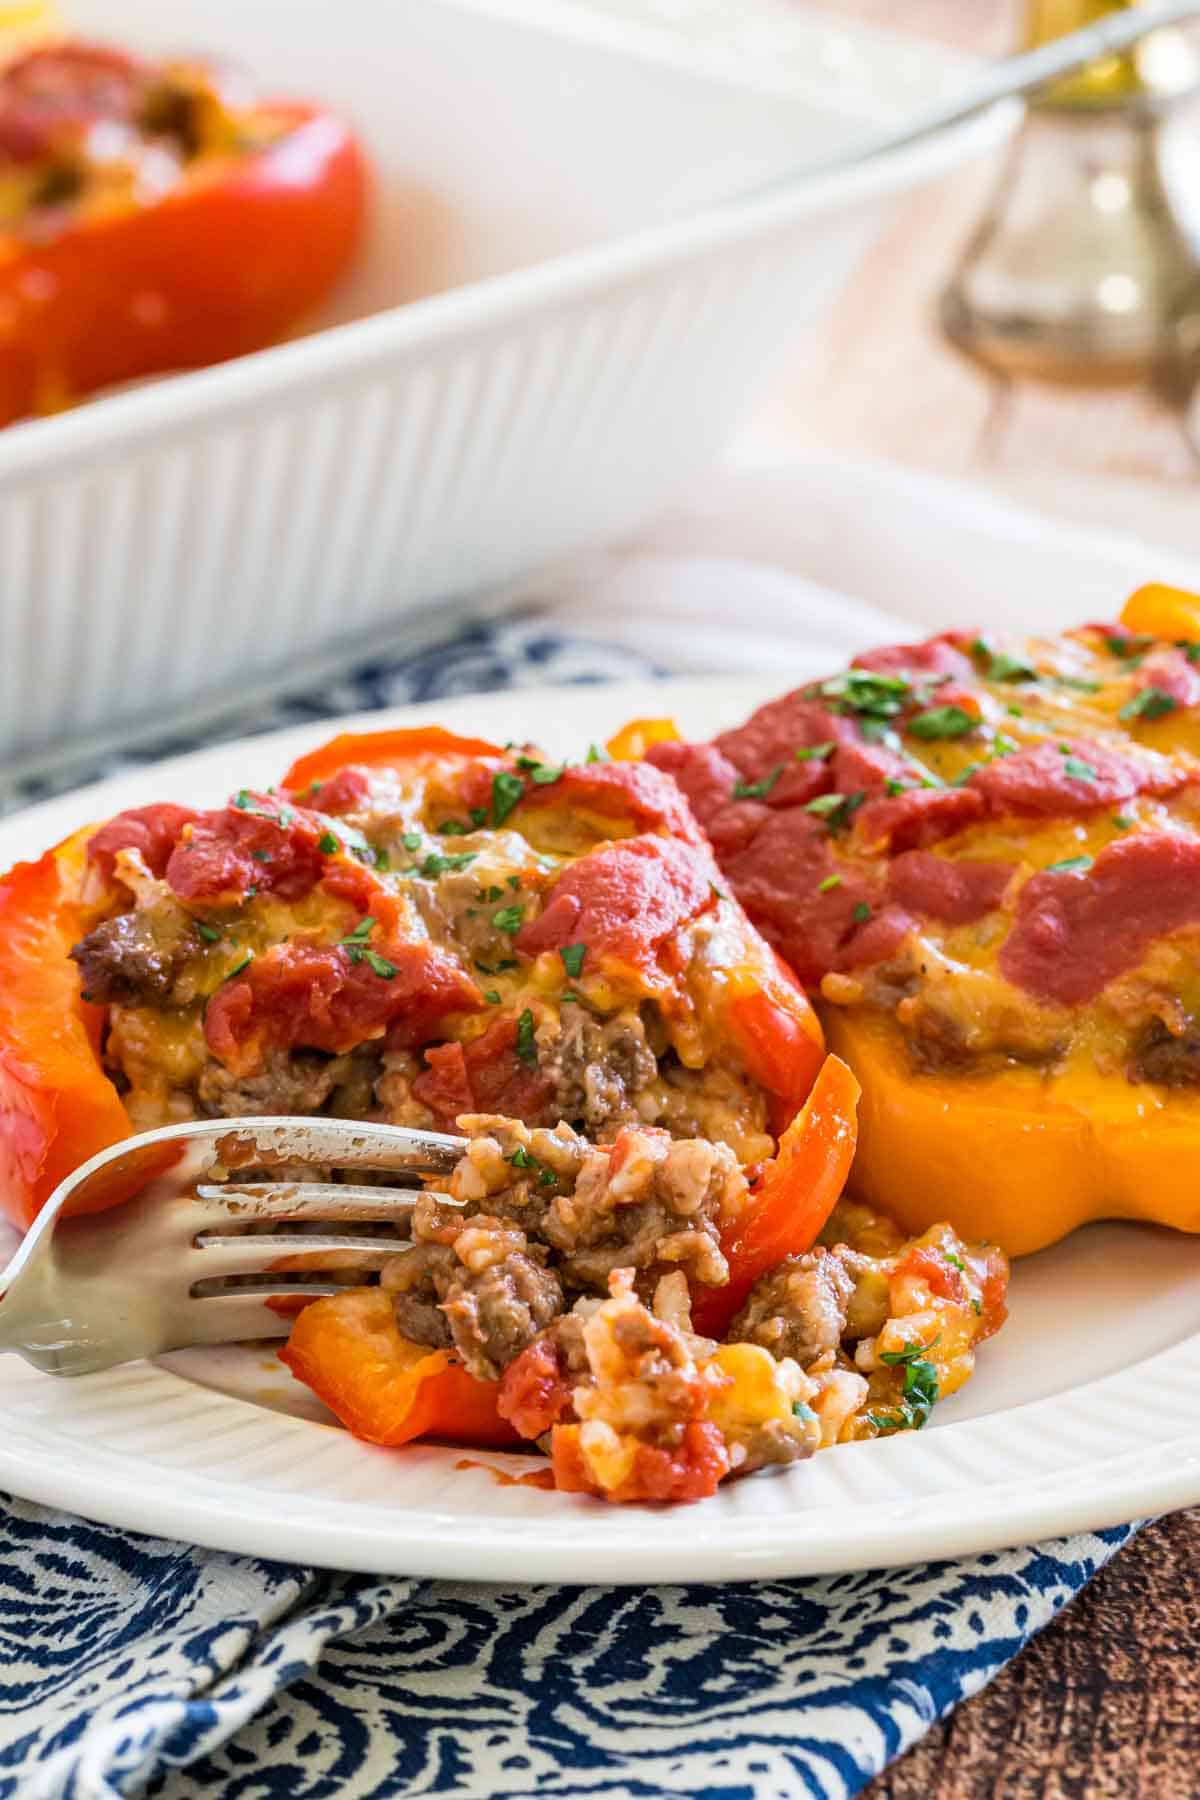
1084,1412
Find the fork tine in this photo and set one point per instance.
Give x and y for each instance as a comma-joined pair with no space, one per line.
242,1314
224,1254
323,1201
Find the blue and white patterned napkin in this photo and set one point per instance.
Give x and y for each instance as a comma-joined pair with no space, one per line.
130,1665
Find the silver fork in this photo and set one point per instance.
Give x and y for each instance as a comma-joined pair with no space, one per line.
157,1272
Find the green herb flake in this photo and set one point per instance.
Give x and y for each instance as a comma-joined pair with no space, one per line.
829,883
1077,683
1190,649
209,933
453,828
1121,822
514,882
1015,712
262,856
436,864
1148,703
1132,646
836,809
492,894
492,997
920,1384
521,1159
1070,865
526,1042
596,754
509,920
379,965
998,665
572,959
361,932
244,800
546,773
507,792
327,844
956,1262
478,817
964,775
861,913
1003,745
942,722
866,693
815,752
412,840
892,787
507,962
802,1410
757,790
1078,771
238,967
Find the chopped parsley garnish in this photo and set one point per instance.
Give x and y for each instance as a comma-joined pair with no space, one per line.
478,816
956,1262
1070,865
507,792
361,932
866,693
862,913
508,919
1003,745
1078,771
920,1388
964,775
1121,822
238,967
514,882
1190,649
892,787
596,754
379,965
830,882
836,809
1077,682
327,844
802,1410
815,752
436,864
244,800
757,790
998,665
491,894
507,962
485,968
453,828
942,722
1150,703
1015,712
1133,645
526,1043
209,933
491,996
262,856
521,1159
572,959
539,772
412,840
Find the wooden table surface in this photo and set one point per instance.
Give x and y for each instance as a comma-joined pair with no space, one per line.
1105,1704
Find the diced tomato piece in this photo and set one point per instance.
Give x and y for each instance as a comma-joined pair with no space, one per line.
151,830
689,1471
255,842
485,1075
315,997
624,900
534,1390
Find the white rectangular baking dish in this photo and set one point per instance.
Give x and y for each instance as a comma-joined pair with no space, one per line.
558,324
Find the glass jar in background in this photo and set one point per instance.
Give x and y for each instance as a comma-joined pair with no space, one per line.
1085,267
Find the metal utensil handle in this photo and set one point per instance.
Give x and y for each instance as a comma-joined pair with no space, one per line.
1008,78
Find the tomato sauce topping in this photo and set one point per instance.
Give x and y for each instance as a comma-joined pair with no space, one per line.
624,900
1077,930
323,997
1055,780
486,1075
151,830
257,842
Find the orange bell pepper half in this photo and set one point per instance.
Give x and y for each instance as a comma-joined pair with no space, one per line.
795,1196
381,750
349,1351
57,1105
